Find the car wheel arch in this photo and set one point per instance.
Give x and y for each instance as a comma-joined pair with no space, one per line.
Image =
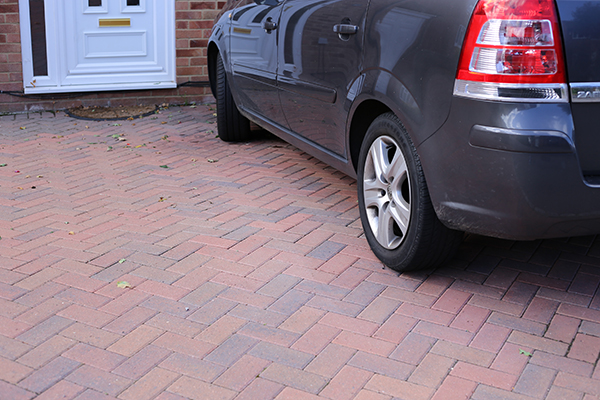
363,113
211,57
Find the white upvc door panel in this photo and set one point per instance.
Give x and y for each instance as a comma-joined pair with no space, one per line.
110,45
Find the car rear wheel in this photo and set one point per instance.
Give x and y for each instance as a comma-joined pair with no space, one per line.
395,209
232,126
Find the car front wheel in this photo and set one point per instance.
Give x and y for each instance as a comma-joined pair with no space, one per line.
396,212
232,126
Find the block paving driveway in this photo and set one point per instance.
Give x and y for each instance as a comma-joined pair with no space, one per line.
146,259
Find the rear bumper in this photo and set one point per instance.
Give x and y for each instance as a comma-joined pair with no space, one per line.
510,171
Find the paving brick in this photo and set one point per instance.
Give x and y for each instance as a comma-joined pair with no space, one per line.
174,342
258,315
432,370
269,334
413,348
541,310
555,362
518,324
486,376
86,315
290,302
44,330
130,320
232,350
463,353
364,343
585,348
135,340
13,372
279,285
260,388
88,334
406,296
511,359
149,385
123,303
93,356
425,314
316,339
454,388
295,378
11,349
171,323
536,342
61,390
490,338
557,393
336,306
535,381
168,306
483,392
99,380
496,305
330,360
346,384
242,373
44,352
563,328
434,285
15,393
49,374
141,362
577,383
398,388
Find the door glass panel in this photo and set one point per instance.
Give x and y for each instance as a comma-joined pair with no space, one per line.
94,3
38,37
131,3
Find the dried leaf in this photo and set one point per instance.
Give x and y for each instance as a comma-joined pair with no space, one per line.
212,160
122,260
71,233
123,284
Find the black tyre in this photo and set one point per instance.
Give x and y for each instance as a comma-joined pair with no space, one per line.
395,208
232,126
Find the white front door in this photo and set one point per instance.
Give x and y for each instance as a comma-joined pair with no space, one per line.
105,45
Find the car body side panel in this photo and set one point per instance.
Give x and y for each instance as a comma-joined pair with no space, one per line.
422,41
316,64
581,36
253,59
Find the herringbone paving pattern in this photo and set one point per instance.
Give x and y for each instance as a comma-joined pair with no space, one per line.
147,259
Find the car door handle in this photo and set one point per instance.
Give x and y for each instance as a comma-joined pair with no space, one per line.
345,29
269,25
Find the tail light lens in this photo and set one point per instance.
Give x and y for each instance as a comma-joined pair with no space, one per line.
513,42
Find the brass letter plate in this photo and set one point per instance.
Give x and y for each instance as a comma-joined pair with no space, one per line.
105,22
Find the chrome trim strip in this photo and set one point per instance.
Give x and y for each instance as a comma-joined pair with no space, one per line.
588,92
522,93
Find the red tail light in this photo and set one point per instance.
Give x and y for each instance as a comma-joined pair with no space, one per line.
515,42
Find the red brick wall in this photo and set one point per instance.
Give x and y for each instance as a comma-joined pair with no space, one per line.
193,24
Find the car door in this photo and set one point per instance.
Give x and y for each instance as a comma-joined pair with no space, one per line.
320,50
253,57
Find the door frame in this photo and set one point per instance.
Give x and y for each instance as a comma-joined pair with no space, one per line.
56,45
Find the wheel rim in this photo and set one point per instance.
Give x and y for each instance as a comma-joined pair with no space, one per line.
386,189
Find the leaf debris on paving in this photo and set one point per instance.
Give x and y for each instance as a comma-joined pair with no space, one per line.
123,284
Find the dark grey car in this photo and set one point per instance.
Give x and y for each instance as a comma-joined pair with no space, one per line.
455,116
